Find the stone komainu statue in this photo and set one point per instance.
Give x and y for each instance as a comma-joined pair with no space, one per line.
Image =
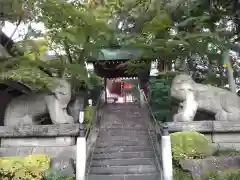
25,110
194,96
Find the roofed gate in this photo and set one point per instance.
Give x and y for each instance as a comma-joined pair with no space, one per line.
112,63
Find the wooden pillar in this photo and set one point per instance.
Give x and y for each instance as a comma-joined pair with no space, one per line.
105,88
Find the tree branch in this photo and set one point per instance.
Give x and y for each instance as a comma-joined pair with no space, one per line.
67,49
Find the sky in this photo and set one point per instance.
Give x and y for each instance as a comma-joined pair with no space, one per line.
9,28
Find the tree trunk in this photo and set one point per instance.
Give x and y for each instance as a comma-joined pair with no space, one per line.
231,79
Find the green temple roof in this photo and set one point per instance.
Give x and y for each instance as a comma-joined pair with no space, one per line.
116,54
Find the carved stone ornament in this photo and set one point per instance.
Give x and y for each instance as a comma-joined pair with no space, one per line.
194,96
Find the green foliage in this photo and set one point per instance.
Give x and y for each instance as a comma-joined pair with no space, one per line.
25,168
160,29
55,175
88,115
94,81
74,31
160,100
189,145
29,76
228,174
179,174
25,68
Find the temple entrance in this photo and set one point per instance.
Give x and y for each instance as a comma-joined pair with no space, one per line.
122,90
112,65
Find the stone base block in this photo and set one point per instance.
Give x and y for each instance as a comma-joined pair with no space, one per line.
64,152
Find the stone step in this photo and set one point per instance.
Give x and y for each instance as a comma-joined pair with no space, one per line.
135,126
123,149
122,106
123,162
152,176
123,155
123,138
134,169
120,122
124,130
130,115
103,144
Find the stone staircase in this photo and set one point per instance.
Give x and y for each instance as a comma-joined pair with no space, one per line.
123,149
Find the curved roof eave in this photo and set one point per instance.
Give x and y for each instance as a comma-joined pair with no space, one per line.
109,54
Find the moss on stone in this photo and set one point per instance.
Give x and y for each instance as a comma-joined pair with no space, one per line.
228,174
88,115
226,152
179,174
189,145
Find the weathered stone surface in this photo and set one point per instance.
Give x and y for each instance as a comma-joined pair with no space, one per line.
226,146
136,169
45,141
124,155
123,143
91,142
200,167
123,148
205,126
223,103
226,137
69,151
66,165
226,126
222,134
76,105
25,110
200,126
123,162
152,176
53,130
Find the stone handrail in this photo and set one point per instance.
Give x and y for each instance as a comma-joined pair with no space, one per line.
163,138
150,112
82,147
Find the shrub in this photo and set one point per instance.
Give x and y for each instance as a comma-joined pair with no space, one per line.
161,102
88,115
24,168
189,145
51,174
179,174
160,98
229,174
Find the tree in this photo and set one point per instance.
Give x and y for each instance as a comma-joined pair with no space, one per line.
74,32
166,31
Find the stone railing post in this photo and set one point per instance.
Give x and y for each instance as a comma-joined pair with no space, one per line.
81,152
142,98
166,155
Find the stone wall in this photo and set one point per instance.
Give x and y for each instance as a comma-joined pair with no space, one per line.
34,131
222,134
